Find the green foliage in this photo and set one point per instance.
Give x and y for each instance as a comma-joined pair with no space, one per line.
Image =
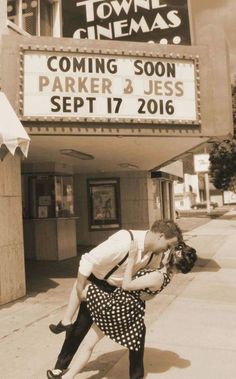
223,165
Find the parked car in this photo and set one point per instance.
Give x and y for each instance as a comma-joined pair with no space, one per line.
203,205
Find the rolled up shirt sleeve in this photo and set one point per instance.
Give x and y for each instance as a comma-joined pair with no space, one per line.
107,254
85,266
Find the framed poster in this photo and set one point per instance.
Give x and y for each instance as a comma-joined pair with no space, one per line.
104,204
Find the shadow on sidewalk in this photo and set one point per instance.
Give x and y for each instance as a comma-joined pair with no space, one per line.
204,265
156,361
40,275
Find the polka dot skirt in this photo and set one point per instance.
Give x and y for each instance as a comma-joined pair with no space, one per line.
120,314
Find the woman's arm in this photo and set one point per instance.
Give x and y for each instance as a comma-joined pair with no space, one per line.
154,280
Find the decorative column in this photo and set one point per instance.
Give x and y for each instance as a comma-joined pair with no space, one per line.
12,268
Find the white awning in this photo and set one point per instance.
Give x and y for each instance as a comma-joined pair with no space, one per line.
12,132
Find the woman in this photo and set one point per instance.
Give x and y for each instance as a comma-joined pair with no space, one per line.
120,314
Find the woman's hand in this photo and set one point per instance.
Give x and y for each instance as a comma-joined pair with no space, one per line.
133,249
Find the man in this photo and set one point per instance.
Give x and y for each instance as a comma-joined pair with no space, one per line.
105,265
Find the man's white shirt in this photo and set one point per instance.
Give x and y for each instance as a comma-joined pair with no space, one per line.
109,253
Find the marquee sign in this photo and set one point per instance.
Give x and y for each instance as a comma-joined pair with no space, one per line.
114,88
161,21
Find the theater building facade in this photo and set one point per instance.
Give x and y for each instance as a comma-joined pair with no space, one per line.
109,93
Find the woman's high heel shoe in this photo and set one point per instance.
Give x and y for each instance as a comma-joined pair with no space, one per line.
59,328
54,374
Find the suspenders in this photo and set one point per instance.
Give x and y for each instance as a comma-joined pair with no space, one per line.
150,259
121,262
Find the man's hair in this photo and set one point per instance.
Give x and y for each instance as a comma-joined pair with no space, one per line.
169,228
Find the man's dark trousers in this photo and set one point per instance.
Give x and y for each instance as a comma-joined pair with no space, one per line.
81,327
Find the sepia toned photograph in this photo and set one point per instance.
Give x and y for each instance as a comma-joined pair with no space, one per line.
117,189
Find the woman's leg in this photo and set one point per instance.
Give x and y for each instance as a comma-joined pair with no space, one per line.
72,306
65,324
84,352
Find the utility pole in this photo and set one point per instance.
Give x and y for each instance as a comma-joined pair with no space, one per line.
206,176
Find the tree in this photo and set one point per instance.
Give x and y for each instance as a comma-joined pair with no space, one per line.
233,89
223,157
223,165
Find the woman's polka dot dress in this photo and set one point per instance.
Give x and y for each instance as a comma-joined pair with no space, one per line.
120,314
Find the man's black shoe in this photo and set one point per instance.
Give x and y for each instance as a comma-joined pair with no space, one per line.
59,328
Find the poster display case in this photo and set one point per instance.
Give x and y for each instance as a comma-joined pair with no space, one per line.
104,204
49,220
49,196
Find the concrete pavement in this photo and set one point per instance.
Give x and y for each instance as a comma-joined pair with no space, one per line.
191,325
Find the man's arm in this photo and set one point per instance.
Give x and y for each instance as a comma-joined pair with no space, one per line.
106,254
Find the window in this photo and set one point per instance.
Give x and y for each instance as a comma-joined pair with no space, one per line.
47,196
33,16
64,196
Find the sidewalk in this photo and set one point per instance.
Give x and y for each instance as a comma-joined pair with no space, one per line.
191,326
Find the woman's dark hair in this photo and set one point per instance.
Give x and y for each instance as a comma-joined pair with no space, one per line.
188,257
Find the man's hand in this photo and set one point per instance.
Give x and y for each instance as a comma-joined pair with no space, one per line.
81,280
85,291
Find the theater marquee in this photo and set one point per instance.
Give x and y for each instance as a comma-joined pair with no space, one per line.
161,21
109,88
